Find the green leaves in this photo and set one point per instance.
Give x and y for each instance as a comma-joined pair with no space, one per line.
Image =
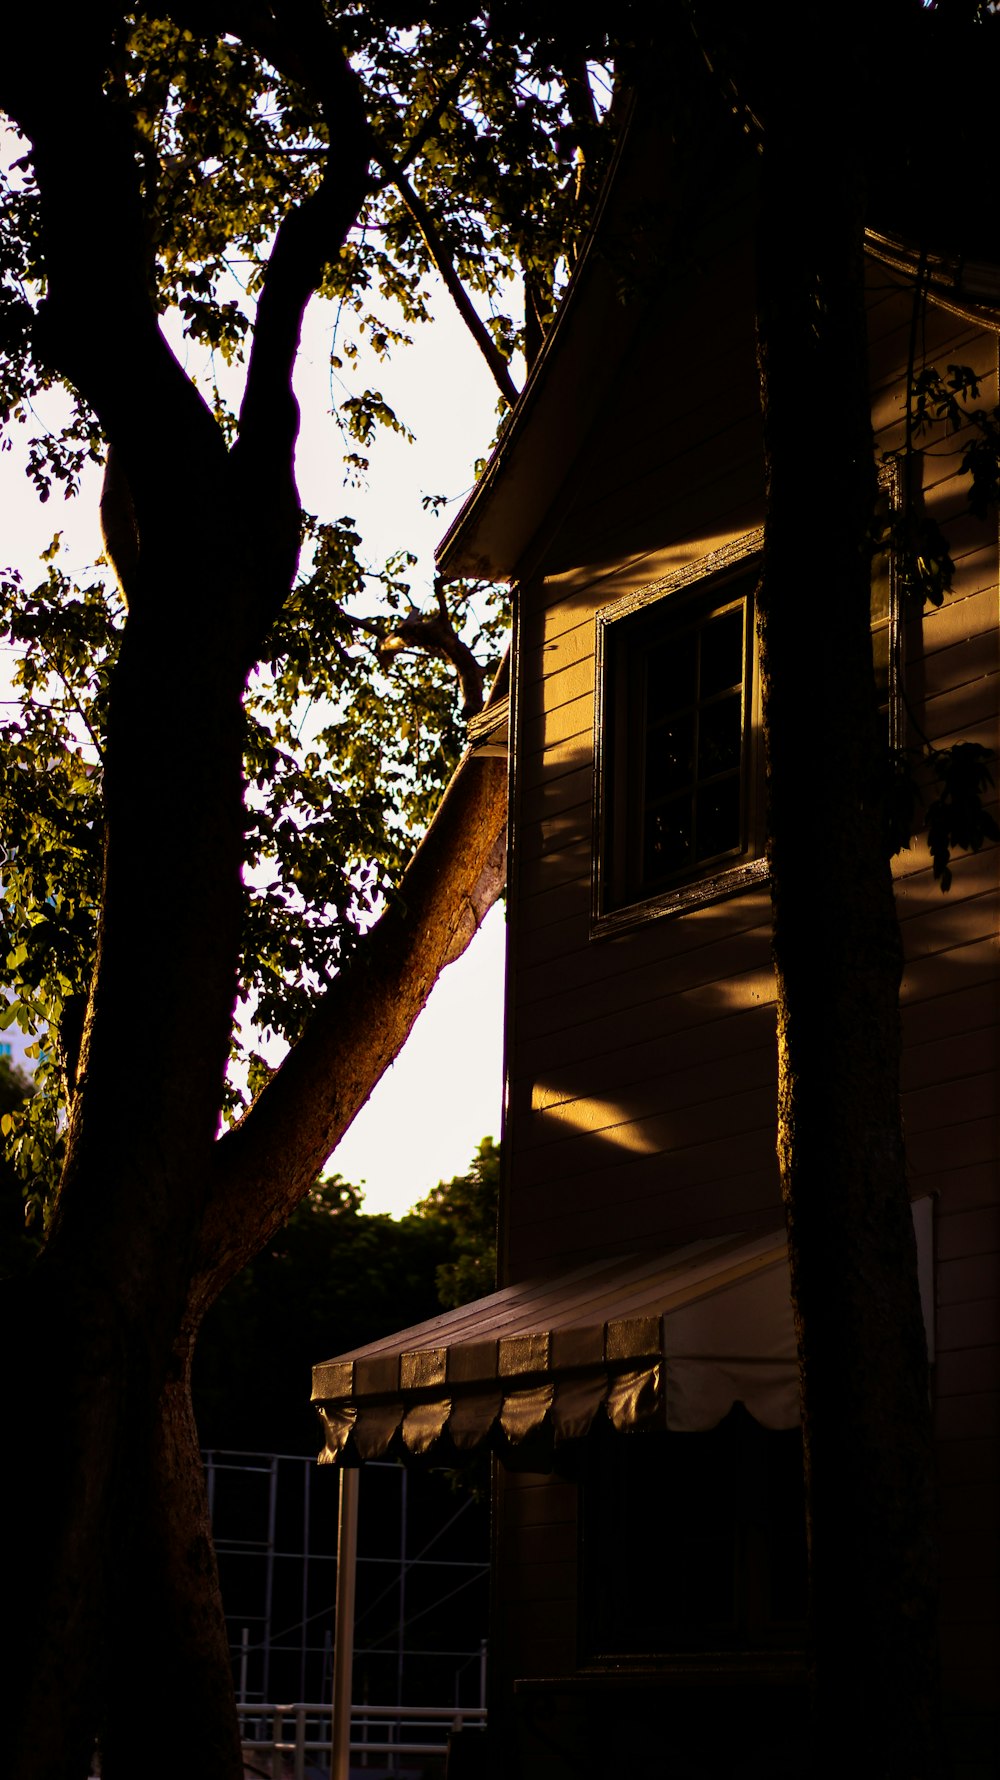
364,414
941,399
345,763
957,817
467,1207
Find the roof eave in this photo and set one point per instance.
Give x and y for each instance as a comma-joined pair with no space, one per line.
561,399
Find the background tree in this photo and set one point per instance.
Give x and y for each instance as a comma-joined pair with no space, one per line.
17,1245
466,1207
333,1278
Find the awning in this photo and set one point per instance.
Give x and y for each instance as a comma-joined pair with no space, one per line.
672,1339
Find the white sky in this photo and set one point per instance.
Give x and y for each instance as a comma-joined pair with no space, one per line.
426,1117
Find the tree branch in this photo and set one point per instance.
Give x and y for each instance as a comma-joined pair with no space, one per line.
436,635
97,324
309,237
499,369
267,1162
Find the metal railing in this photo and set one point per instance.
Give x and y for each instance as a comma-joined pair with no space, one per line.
300,1734
276,1543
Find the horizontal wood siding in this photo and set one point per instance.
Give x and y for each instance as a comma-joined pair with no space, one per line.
535,1577
641,1091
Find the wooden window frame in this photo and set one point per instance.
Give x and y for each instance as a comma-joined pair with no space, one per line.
614,908
630,621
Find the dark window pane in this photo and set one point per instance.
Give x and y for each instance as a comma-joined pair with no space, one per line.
671,676
703,1594
722,652
668,839
786,1548
694,1541
720,736
788,1573
669,758
718,820
679,727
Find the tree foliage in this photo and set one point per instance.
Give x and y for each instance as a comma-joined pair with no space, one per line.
17,1245
467,1207
475,150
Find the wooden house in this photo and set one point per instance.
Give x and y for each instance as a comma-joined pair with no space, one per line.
645,1610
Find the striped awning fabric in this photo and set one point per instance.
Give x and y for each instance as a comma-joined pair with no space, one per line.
657,1340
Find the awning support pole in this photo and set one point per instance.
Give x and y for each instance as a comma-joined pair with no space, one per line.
343,1649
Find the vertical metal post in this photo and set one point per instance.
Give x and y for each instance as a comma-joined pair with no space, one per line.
244,1651
272,1517
404,1474
307,1474
300,1743
482,1673
343,1648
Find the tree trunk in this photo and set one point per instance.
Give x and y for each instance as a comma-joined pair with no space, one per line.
102,1311
113,1584
838,955
170,1704
113,1590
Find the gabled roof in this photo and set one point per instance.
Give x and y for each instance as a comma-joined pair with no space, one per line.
568,385
602,310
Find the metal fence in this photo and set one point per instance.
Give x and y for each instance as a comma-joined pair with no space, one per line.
422,1583
292,1742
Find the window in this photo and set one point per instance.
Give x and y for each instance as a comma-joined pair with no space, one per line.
678,790
693,1542
679,795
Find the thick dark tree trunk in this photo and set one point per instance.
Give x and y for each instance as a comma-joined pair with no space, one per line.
113,1587
112,1583
838,954
170,1693
110,1290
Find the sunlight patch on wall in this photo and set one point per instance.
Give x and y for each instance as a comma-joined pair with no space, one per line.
593,1115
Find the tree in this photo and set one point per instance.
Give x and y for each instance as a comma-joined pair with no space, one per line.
323,148
869,1462
467,1207
837,947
